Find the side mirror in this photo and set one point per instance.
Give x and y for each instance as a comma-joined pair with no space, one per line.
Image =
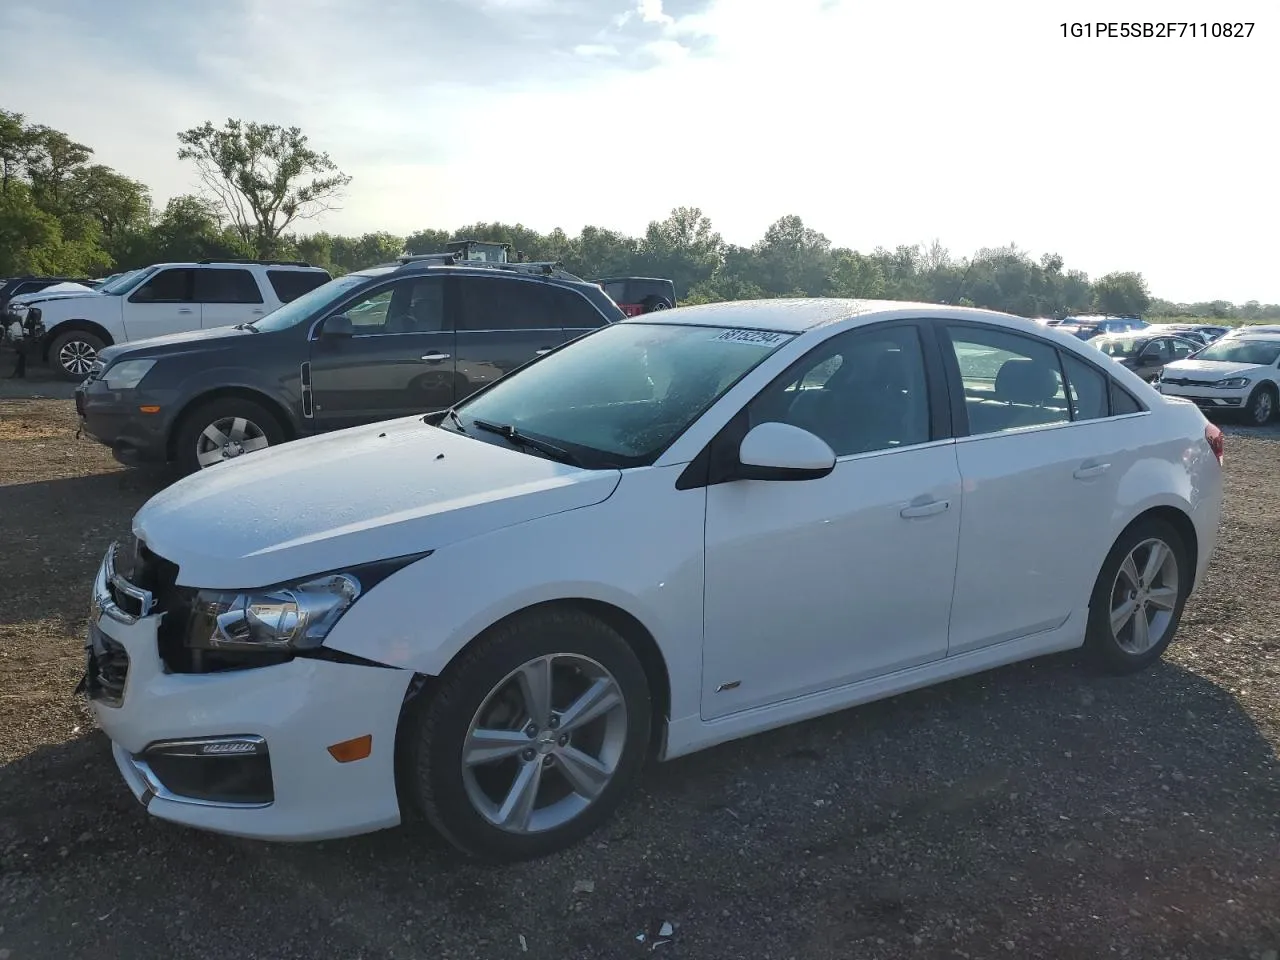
780,451
337,327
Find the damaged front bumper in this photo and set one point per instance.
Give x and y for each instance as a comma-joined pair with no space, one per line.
242,752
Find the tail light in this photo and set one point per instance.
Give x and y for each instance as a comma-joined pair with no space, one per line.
1217,442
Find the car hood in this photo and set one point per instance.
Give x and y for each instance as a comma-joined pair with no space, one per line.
1212,369
173,344
44,296
350,497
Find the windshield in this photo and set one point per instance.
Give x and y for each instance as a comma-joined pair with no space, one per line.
622,395
1118,346
125,282
1262,352
310,303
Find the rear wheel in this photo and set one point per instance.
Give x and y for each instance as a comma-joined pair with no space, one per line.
531,739
73,353
1138,597
656,303
222,430
1262,405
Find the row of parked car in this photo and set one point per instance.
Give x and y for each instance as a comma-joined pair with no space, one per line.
1221,369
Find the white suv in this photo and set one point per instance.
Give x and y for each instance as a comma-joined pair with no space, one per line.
1235,373
157,300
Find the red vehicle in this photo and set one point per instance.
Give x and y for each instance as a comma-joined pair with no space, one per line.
637,295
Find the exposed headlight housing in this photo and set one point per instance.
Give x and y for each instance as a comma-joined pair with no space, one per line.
1232,383
295,617
126,374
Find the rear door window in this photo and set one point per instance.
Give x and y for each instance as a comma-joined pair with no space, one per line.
220,285
289,285
493,303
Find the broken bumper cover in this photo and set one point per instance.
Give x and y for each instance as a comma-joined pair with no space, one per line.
200,770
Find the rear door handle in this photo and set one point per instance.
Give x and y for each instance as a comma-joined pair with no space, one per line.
1091,470
924,509
184,310
434,357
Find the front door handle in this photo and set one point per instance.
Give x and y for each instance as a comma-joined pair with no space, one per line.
434,357
544,350
258,312
1090,470
924,509
185,310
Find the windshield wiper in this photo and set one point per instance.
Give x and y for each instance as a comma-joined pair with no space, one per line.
515,436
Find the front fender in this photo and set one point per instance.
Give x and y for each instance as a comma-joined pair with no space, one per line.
624,551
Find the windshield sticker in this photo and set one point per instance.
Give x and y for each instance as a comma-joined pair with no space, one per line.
765,338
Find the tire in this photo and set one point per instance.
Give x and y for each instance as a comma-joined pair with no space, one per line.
1261,406
193,445
1123,651
483,688
71,354
656,303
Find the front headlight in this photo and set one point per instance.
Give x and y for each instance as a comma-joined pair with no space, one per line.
126,374
19,310
294,617
1232,383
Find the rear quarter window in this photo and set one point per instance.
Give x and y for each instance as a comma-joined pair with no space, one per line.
289,285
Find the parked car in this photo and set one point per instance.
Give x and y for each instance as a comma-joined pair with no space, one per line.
1233,374
1145,353
675,531
1208,332
1252,329
417,335
11,287
637,295
162,299
1089,326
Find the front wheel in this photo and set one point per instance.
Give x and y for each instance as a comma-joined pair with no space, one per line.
531,739
73,353
1261,406
1138,597
223,430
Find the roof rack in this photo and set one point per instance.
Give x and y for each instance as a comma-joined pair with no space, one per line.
540,268
266,263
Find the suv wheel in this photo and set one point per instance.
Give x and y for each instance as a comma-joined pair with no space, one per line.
73,353
223,430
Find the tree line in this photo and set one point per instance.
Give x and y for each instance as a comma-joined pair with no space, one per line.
63,214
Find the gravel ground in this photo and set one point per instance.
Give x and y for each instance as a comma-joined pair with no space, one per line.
1035,811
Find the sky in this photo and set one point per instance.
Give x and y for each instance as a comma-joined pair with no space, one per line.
879,123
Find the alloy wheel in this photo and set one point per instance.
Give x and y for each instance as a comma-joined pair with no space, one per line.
544,744
1263,406
228,438
1144,596
77,357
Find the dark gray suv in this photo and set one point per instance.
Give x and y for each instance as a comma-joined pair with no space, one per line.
411,337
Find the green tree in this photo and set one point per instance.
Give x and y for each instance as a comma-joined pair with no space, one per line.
265,177
1121,293
52,162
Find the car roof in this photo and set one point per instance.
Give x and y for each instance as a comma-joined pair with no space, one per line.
1263,336
787,315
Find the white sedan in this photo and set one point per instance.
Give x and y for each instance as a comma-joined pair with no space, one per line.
676,531
1235,374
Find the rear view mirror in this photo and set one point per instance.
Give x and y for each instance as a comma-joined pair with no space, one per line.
780,451
337,327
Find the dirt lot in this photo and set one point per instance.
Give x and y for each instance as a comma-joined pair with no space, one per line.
1032,812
